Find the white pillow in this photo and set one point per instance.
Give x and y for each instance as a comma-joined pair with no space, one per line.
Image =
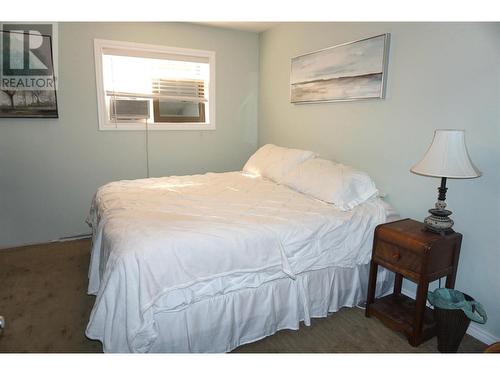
275,162
334,183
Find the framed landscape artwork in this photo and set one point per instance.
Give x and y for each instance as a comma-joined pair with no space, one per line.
27,78
349,71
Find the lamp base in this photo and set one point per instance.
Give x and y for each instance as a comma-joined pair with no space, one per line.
438,221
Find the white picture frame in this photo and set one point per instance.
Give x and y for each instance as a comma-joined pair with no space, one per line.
354,70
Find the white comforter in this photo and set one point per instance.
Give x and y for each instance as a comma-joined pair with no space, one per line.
161,244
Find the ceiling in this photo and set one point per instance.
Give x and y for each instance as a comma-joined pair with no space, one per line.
255,27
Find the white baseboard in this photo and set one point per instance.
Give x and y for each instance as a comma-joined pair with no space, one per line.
62,239
475,330
74,238
478,332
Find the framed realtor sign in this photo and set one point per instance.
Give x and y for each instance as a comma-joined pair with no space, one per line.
27,71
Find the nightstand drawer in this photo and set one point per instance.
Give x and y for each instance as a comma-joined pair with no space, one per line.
399,257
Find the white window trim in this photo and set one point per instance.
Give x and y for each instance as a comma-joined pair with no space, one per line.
107,124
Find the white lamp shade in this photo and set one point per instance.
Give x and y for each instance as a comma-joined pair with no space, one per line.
447,156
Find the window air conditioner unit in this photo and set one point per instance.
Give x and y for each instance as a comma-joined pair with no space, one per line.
129,109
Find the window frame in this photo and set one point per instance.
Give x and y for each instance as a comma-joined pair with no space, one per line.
106,123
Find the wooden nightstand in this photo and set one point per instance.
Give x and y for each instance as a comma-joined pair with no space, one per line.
405,248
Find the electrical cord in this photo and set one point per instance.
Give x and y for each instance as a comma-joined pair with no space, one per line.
147,148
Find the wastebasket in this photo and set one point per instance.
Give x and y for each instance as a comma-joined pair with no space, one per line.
453,311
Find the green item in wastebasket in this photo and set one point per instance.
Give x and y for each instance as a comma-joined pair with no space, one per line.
451,299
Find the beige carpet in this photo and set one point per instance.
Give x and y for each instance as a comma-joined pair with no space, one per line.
43,298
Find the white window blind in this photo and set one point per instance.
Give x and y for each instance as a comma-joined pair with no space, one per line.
137,76
190,90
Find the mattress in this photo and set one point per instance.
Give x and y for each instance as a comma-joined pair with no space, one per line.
161,245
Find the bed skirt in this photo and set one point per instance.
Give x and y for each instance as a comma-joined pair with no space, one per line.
224,322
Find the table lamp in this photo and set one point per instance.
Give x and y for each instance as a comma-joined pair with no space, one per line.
447,157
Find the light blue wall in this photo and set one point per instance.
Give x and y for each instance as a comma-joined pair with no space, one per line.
440,76
49,169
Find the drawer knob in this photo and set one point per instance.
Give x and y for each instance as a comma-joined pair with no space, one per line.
396,255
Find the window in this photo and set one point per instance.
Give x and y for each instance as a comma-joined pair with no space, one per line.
161,88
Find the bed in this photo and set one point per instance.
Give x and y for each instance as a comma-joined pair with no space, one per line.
206,263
